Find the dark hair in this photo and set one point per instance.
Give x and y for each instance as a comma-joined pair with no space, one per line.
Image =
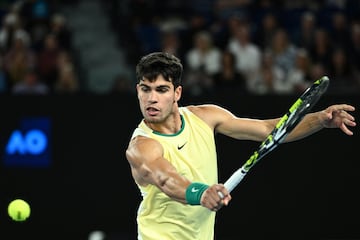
160,63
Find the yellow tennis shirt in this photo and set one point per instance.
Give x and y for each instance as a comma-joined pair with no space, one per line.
192,151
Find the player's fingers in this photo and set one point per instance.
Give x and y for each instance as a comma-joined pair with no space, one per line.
347,115
348,107
344,107
211,198
346,130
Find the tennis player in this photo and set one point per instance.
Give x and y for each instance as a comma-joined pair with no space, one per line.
172,152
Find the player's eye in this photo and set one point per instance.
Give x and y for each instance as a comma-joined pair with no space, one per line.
162,89
145,89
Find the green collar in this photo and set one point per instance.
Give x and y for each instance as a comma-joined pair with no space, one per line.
174,134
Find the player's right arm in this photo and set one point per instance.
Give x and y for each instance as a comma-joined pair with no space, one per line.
148,166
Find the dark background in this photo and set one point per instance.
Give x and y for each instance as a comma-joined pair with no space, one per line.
302,190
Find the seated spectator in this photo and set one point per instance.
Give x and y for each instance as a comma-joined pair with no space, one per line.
30,85
202,61
342,74
203,54
270,78
10,24
67,80
283,50
229,78
247,54
48,59
298,78
19,58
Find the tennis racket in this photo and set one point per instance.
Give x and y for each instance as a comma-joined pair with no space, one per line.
285,125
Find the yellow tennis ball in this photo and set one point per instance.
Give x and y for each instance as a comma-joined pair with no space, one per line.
19,210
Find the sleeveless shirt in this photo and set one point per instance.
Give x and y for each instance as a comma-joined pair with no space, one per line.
192,152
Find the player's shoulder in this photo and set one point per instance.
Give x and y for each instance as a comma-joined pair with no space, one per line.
205,108
212,114
141,143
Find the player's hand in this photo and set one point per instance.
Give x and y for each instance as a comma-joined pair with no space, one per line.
212,200
338,116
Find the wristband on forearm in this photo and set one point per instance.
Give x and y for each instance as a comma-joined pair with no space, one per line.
194,192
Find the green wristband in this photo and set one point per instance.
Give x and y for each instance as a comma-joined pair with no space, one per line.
194,192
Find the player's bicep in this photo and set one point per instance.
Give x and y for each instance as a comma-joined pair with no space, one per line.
150,167
148,164
143,155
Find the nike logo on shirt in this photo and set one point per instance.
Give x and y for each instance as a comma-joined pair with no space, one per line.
180,147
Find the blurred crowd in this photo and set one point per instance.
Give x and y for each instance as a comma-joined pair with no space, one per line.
36,55
247,46
244,46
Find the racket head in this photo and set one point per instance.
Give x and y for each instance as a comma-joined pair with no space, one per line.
296,113
285,125
307,101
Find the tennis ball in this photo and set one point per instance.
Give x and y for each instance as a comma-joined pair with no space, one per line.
19,210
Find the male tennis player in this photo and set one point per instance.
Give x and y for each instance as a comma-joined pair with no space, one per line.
172,152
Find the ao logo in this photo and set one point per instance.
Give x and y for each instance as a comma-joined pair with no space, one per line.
29,145
32,142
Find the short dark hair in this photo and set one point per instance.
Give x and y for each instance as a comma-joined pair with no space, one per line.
160,63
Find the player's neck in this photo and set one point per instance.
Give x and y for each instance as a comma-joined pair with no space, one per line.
171,125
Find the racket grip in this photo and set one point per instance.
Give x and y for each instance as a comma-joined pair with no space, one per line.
235,179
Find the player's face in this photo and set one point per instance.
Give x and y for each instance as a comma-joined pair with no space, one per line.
157,99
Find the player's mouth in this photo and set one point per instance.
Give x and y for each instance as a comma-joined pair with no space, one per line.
151,111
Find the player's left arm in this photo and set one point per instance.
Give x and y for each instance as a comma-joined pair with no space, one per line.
223,121
334,116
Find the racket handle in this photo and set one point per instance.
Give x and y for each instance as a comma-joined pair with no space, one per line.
234,180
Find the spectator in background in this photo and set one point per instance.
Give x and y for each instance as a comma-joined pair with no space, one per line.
29,39
48,60
19,58
203,54
229,79
304,36
67,81
283,51
171,43
202,61
317,71
298,78
266,30
322,48
270,77
340,31
247,54
10,24
343,76
30,85
227,28
60,29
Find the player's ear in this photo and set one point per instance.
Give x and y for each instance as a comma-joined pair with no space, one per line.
137,88
178,92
